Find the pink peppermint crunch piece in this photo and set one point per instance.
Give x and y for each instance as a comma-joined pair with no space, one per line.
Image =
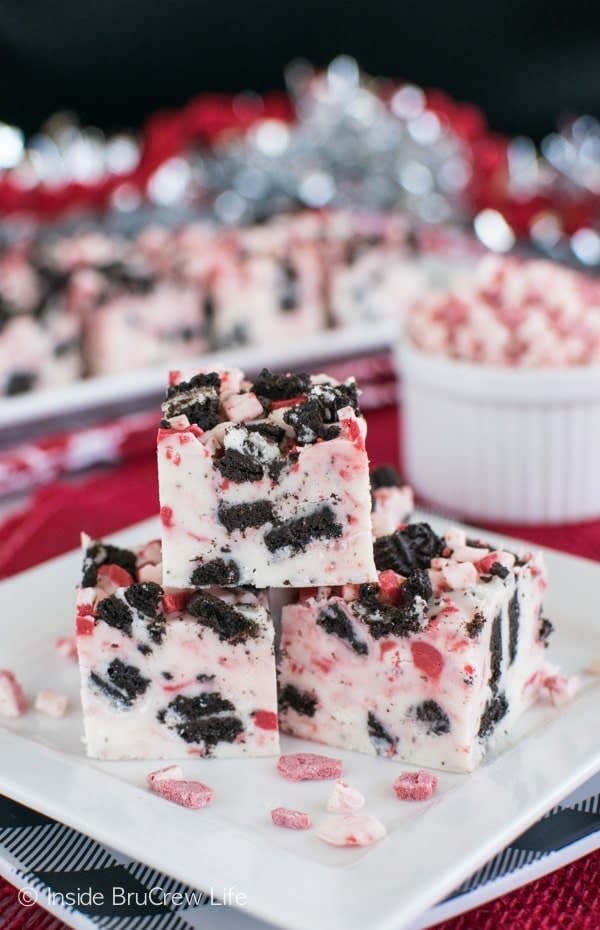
293,820
12,698
344,799
169,773
51,703
415,786
309,766
559,689
351,830
191,794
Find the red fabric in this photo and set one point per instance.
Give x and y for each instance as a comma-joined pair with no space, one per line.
566,900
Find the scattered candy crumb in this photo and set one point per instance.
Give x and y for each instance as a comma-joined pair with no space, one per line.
192,794
66,646
170,773
351,830
293,820
558,689
51,703
12,698
308,766
415,786
344,799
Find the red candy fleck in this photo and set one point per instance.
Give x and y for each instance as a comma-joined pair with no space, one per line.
166,516
289,402
66,646
116,575
309,766
427,659
265,719
415,786
84,626
390,587
193,794
12,698
177,601
293,820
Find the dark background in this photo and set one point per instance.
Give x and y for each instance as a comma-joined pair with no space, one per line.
526,62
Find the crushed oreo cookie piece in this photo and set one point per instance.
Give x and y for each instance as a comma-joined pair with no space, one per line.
280,387
269,431
495,709
144,649
230,625
144,597
199,382
385,476
127,277
198,399
217,572
98,554
378,734
20,382
157,628
309,423
412,547
198,719
115,613
125,682
242,516
237,467
475,625
418,584
298,533
545,631
288,295
499,570
514,612
401,619
433,716
302,702
335,621
495,651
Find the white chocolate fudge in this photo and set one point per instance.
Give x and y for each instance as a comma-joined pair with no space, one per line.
175,675
427,665
391,501
263,483
268,289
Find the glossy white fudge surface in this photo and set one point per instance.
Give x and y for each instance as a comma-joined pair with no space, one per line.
183,675
263,483
427,665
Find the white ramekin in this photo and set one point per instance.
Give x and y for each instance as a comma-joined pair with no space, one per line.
503,444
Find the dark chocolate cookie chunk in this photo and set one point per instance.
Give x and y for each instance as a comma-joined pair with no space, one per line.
237,467
199,382
299,533
270,431
242,516
495,651
125,682
385,476
288,295
433,716
412,547
280,387
302,702
545,630
20,382
495,709
217,572
499,570
98,554
309,423
475,625
335,621
201,719
145,598
379,736
229,624
115,613
514,612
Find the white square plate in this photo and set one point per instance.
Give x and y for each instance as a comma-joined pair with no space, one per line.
292,879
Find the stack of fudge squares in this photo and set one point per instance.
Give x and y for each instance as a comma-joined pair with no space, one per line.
393,640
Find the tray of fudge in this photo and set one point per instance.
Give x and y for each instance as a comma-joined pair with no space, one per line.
289,680
92,317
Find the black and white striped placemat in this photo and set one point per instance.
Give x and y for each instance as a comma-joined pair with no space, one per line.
93,887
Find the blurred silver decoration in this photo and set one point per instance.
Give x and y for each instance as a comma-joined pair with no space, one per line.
348,148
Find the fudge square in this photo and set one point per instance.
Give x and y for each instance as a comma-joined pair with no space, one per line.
171,675
426,665
263,483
